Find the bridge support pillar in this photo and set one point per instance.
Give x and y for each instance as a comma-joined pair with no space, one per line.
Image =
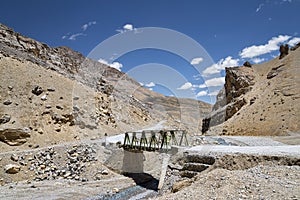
164,168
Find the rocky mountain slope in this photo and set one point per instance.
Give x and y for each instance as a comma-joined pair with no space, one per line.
262,99
54,95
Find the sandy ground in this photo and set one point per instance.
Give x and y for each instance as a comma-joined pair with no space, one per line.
259,182
244,172
291,139
287,150
62,189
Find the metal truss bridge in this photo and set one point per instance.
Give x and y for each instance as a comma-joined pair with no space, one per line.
154,140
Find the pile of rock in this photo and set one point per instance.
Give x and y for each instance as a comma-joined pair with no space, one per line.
104,112
77,157
50,164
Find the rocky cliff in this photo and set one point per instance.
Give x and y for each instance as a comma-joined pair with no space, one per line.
51,95
261,99
230,100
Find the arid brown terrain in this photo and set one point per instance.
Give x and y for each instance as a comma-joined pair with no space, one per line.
62,116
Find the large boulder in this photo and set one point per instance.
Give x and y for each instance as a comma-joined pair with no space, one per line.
14,137
284,50
4,118
37,90
275,71
12,168
247,64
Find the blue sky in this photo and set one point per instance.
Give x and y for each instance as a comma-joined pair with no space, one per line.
228,33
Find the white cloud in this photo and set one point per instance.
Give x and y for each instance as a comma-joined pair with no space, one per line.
206,93
294,41
74,36
84,27
87,25
257,60
196,61
215,82
217,67
202,86
268,3
185,86
259,7
103,61
214,93
115,65
197,76
272,45
151,84
229,62
128,27
202,93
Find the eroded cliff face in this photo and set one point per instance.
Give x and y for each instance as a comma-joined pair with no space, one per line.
261,99
238,81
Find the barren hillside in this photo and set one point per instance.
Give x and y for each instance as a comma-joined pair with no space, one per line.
54,95
262,99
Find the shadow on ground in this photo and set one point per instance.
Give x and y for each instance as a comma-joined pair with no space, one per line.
144,180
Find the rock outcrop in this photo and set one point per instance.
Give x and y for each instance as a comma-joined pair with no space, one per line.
247,64
284,51
60,59
261,100
14,137
238,81
274,71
